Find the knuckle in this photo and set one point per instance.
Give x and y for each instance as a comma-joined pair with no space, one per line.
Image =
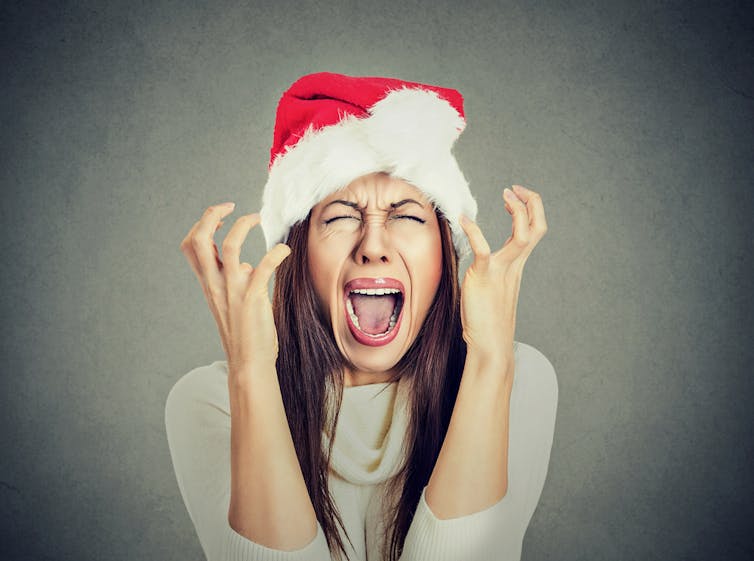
186,241
483,253
230,246
196,243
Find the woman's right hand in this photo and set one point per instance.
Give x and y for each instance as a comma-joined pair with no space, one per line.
236,292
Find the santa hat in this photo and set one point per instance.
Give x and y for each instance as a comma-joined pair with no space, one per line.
331,129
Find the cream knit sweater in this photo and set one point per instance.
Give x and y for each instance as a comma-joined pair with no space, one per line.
366,452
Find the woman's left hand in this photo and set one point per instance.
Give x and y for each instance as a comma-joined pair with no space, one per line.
489,293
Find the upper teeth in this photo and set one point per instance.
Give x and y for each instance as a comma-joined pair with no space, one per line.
376,291
393,317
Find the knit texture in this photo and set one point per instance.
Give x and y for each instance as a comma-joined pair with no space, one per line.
366,452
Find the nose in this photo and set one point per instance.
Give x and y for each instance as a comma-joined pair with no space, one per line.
374,245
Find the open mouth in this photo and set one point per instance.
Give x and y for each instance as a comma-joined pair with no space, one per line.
374,314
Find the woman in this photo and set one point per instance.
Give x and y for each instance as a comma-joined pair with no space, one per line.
375,409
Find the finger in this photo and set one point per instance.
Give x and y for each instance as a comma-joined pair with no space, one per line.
478,243
520,226
204,245
534,204
271,261
185,246
234,241
188,250
214,247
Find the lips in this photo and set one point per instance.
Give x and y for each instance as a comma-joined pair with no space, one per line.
373,283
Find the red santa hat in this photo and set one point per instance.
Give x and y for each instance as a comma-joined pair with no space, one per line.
331,129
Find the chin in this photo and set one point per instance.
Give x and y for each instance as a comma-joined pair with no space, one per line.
372,359
378,345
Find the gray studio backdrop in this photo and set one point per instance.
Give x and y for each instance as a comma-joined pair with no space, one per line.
121,123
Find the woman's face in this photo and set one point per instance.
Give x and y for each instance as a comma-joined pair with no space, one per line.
375,257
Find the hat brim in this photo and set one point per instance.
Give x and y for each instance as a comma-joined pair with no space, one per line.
408,134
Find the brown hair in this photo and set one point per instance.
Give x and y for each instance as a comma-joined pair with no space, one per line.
310,371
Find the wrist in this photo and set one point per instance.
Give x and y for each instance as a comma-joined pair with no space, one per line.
242,376
489,359
489,365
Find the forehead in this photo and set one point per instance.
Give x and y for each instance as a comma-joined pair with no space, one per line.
377,190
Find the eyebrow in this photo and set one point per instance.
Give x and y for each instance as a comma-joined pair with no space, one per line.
357,207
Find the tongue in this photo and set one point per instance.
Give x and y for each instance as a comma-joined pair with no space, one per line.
373,311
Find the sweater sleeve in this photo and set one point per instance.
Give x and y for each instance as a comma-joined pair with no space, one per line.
496,533
197,421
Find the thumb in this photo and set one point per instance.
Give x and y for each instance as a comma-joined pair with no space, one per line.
280,253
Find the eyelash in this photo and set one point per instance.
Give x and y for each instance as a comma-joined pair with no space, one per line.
357,218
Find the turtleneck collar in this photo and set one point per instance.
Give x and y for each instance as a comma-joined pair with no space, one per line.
372,423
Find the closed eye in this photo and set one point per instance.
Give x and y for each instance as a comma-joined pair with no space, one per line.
411,217
339,217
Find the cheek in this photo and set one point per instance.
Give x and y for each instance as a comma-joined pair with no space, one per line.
427,265
318,269
325,265
435,266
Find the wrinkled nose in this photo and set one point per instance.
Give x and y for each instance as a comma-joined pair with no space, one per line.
374,246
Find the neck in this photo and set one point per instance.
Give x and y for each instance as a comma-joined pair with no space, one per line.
360,378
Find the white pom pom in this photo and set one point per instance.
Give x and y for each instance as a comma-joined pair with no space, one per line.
414,121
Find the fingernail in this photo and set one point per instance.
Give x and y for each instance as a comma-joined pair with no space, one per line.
507,193
228,204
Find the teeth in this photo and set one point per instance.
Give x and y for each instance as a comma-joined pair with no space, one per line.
351,313
394,317
376,291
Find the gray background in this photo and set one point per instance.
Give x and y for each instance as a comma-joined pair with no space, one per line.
121,123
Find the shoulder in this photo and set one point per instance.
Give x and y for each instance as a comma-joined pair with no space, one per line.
534,378
200,392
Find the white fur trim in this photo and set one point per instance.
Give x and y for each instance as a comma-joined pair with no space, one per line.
409,134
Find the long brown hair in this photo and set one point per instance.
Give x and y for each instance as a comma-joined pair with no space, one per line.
310,372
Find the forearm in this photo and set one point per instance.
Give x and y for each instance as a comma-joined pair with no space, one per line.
471,472
269,501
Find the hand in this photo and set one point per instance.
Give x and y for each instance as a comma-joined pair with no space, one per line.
236,292
489,293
